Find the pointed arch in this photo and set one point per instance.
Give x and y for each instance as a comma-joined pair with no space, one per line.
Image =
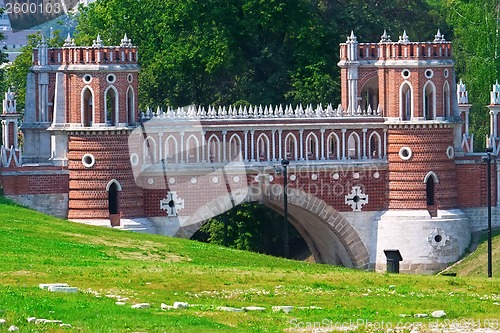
291,149
312,147
430,180
87,106
263,148
333,147
192,149
374,145
130,105
111,106
446,100
353,146
214,151
113,187
433,175
149,151
235,148
369,94
171,150
429,101
406,101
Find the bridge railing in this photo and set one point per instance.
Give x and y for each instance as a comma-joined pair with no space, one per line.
248,112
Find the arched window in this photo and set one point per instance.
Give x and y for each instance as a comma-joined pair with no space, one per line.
369,94
353,146
213,144
130,106
446,100
430,181
235,148
406,101
149,151
113,188
263,150
429,101
374,146
291,147
87,107
312,147
192,149
333,147
171,150
111,106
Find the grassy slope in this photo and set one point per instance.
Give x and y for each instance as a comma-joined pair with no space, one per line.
476,264
147,268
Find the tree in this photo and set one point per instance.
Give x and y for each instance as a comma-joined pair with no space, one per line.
476,46
244,51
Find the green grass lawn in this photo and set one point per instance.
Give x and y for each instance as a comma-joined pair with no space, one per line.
105,263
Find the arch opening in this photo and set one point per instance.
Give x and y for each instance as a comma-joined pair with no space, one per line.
329,236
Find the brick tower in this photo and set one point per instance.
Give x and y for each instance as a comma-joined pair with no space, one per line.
411,84
91,111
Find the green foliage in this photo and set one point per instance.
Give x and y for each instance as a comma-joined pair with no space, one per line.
250,227
476,45
245,51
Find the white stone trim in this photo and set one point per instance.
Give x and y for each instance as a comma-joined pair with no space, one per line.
88,160
405,153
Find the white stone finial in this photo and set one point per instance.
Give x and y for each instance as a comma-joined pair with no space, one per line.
126,42
385,37
404,38
495,94
69,42
97,42
9,103
352,38
439,38
462,95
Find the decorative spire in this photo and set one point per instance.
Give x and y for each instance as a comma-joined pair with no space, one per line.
43,42
385,37
97,42
9,103
126,42
69,42
462,95
495,94
404,38
438,38
352,38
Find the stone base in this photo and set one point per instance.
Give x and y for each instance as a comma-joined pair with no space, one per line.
427,244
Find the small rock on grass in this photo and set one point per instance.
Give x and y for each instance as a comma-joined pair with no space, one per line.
166,307
65,325
438,314
180,305
284,308
421,315
141,306
31,319
2,321
13,328
253,308
228,309
120,303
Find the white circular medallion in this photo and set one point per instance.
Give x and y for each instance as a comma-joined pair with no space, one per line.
215,179
151,181
236,179
314,176
88,160
194,180
134,159
355,175
450,152
271,178
376,175
171,180
293,177
336,176
405,153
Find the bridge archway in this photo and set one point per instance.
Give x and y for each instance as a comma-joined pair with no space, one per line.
329,236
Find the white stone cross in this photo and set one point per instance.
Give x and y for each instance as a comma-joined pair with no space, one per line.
172,204
356,199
